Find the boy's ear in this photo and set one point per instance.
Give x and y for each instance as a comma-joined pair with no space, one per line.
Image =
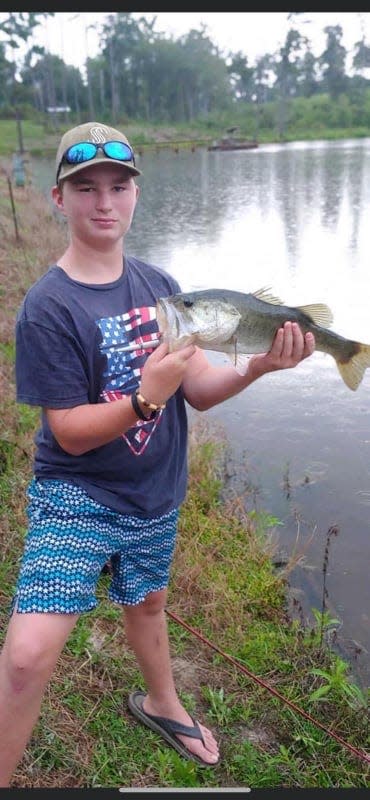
57,197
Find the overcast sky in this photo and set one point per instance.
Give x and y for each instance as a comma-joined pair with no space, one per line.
254,33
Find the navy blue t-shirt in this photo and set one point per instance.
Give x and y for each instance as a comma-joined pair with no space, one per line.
69,340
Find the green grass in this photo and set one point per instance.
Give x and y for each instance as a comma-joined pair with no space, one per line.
224,585
39,140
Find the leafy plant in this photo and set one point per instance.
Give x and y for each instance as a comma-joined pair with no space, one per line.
220,704
337,685
323,623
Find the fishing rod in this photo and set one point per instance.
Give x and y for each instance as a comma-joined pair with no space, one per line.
359,753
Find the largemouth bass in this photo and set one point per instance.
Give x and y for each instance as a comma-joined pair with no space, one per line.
241,324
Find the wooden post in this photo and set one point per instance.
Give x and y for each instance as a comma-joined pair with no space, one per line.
18,170
13,208
19,131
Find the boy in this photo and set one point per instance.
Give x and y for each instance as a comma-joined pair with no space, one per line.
110,461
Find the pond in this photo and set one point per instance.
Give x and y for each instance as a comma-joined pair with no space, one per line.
293,217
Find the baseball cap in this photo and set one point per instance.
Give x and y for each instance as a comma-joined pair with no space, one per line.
96,133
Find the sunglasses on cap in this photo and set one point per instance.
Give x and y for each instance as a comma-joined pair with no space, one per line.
86,151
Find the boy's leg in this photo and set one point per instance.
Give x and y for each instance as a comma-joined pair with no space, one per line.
146,629
32,646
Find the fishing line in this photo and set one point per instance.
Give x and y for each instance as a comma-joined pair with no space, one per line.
359,753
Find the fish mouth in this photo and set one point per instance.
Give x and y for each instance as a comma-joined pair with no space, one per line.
171,324
164,314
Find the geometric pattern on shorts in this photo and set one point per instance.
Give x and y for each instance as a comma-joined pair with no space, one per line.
70,538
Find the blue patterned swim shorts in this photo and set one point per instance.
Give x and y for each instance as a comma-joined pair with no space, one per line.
70,538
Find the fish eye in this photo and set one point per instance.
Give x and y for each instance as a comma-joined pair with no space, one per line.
188,303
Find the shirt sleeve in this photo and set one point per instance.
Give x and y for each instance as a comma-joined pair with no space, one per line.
49,367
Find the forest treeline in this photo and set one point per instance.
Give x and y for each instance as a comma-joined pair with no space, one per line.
142,74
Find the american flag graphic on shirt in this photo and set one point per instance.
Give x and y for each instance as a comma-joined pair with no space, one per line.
123,368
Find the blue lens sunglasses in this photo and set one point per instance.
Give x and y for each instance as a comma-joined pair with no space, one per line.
86,151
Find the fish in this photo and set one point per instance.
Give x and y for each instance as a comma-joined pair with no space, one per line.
240,324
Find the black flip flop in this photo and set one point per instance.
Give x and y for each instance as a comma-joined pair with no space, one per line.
168,728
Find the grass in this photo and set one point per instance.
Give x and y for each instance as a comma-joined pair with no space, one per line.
223,584
40,139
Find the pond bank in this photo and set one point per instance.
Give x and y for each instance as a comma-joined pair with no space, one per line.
223,584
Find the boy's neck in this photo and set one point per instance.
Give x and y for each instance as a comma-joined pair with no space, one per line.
92,266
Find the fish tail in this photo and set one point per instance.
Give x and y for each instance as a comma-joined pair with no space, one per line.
352,371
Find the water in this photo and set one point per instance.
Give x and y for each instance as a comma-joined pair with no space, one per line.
296,218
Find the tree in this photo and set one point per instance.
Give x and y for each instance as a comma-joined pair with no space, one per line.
307,78
7,70
287,67
332,62
242,77
361,58
17,28
150,76
263,78
205,82
124,40
20,25
51,82
288,63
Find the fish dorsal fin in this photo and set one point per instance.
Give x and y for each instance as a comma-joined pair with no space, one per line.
319,313
265,295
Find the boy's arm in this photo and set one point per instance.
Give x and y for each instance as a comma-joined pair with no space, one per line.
205,386
89,425
85,427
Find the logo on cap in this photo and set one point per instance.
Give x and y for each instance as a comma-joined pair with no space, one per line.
98,135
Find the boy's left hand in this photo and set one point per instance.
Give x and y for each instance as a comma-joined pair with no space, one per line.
289,347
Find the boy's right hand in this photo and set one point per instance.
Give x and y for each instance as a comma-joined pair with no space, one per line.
164,372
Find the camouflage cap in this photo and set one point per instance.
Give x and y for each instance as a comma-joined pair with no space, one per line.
97,133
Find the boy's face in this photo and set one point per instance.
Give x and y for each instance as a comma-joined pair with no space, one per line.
98,203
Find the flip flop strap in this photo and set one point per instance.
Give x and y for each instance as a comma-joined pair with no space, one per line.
171,726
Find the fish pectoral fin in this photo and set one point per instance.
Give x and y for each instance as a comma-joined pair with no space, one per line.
352,371
319,313
240,362
265,295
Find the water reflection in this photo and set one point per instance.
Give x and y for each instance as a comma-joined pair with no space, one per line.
293,217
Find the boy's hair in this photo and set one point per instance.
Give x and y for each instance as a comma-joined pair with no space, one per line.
94,133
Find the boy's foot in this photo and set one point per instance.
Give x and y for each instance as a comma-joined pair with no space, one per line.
191,739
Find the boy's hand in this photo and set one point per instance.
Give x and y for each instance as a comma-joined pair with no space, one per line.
163,372
289,347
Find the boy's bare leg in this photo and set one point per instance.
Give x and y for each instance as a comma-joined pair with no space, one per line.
32,646
146,629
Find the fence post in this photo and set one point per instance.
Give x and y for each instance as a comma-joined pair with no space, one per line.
13,208
19,130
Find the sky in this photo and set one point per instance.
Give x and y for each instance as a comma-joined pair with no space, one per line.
70,36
